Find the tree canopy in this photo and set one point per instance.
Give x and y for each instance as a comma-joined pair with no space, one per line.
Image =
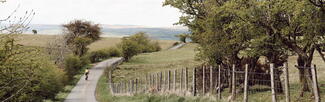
243,31
79,34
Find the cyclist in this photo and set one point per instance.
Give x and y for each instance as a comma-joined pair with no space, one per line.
86,73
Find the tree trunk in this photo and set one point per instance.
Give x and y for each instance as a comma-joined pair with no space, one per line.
304,74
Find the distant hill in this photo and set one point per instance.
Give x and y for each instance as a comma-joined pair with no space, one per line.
161,33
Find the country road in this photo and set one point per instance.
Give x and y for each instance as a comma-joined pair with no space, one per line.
84,91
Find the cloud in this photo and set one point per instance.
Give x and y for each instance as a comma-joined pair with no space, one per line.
123,12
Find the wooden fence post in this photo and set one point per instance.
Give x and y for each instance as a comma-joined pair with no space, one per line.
272,83
233,92
133,89
286,82
157,81
169,80
117,88
146,82
174,84
203,79
219,82
194,82
246,84
149,81
136,85
315,83
165,80
211,79
154,84
160,81
186,80
129,86
181,80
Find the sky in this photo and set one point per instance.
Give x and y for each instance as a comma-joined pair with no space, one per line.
149,13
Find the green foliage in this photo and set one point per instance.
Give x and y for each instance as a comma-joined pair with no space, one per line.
241,31
72,65
79,34
137,43
99,55
129,48
231,30
25,74
144,42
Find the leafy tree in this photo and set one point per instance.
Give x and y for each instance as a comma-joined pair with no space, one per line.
231,31
34,31
144,42
79,34
129,48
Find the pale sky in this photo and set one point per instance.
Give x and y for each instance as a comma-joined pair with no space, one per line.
113,12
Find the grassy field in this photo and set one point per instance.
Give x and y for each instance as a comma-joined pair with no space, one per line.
104,42
146,63
184,57
156,62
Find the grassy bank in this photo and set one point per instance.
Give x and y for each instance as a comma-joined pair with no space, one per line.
146,63
184,57
157,61
103,95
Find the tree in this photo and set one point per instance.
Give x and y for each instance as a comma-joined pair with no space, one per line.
34,31
145,44
79,34
129,48
230,31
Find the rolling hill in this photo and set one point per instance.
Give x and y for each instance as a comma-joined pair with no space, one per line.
160,33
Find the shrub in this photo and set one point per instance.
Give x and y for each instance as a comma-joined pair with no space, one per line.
144,43
129,48
137,43
72,65
152,47
99,55
26,75
114,52
96,56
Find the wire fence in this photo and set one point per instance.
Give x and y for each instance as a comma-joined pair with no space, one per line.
226,83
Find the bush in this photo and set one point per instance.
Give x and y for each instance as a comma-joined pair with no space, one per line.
137,43
129,48
152,47
99,55
114,52
144,43
73,64
96,56
26,75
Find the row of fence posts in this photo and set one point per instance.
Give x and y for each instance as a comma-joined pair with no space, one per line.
153,83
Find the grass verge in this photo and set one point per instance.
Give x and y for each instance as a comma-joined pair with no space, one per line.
103,95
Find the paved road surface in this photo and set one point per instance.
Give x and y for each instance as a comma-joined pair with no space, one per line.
177,46
84,91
